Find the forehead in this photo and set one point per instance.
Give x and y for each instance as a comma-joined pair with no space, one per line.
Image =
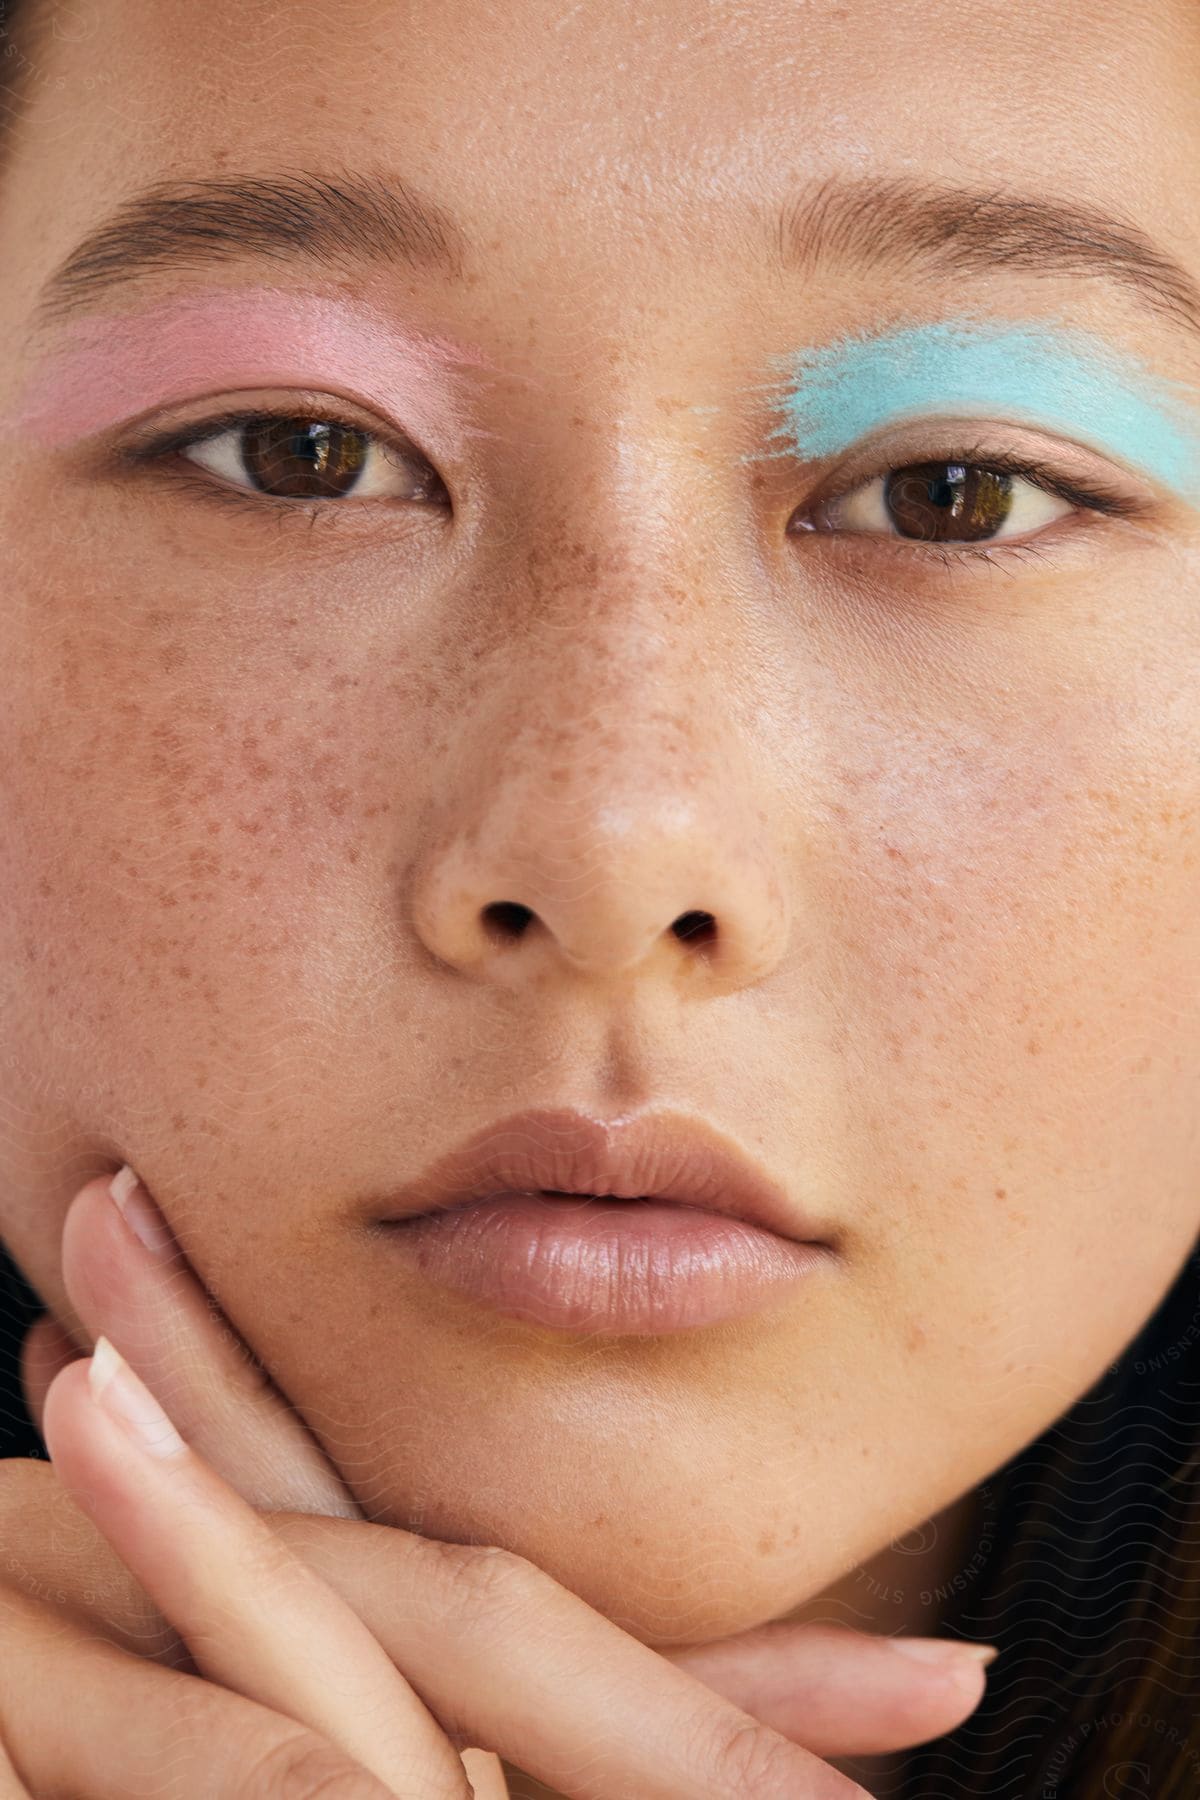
678,112
618,181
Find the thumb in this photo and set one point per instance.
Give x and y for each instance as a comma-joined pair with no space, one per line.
840,1692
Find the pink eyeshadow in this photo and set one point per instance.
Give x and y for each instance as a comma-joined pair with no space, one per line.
120,366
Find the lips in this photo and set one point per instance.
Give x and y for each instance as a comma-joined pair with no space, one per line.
667,1157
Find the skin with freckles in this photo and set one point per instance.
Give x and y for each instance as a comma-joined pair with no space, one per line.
266,764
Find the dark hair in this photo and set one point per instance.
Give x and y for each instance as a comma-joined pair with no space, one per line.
1087,1577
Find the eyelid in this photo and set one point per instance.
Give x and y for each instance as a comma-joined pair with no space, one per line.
147,438
1102,497
1072,471
152,445
1018,467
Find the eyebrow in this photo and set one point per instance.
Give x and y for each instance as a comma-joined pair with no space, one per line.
923,227
329,221
951,230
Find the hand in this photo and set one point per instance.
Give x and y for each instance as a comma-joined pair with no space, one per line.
833,1690
315,1631
256,1617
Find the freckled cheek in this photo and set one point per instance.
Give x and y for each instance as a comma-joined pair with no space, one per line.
938,867
176,856
1026,950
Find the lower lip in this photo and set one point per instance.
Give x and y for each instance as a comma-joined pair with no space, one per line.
604,1266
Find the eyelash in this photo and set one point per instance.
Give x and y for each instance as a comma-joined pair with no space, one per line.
1098,497
149,451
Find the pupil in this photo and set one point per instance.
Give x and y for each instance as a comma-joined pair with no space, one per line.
948,502
297,457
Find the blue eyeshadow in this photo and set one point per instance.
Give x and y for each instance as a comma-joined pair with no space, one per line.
1045,374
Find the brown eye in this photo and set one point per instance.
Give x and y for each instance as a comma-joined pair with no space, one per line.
943,503
313,459
298,457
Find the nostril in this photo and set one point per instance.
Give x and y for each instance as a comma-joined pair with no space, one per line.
507,918
695,927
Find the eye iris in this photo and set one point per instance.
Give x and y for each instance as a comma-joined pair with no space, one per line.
303,457
947,502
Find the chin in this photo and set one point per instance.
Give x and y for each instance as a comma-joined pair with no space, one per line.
663,1600
668,1576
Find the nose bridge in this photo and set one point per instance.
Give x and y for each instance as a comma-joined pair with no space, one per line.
623,442
606,810
624,579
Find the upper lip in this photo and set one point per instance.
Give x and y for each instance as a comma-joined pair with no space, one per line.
663,1156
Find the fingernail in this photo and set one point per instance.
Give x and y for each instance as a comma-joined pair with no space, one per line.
140,1213
116,1388
951,1653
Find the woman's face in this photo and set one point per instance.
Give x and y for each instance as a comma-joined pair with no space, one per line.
265,766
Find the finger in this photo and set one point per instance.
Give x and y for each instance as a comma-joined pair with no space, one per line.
80,1717
506,1657
45,1351
254,1616
838,1691
153,1308
75,1560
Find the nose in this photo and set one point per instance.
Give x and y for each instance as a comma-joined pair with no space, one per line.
616,804
604,828
662,875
